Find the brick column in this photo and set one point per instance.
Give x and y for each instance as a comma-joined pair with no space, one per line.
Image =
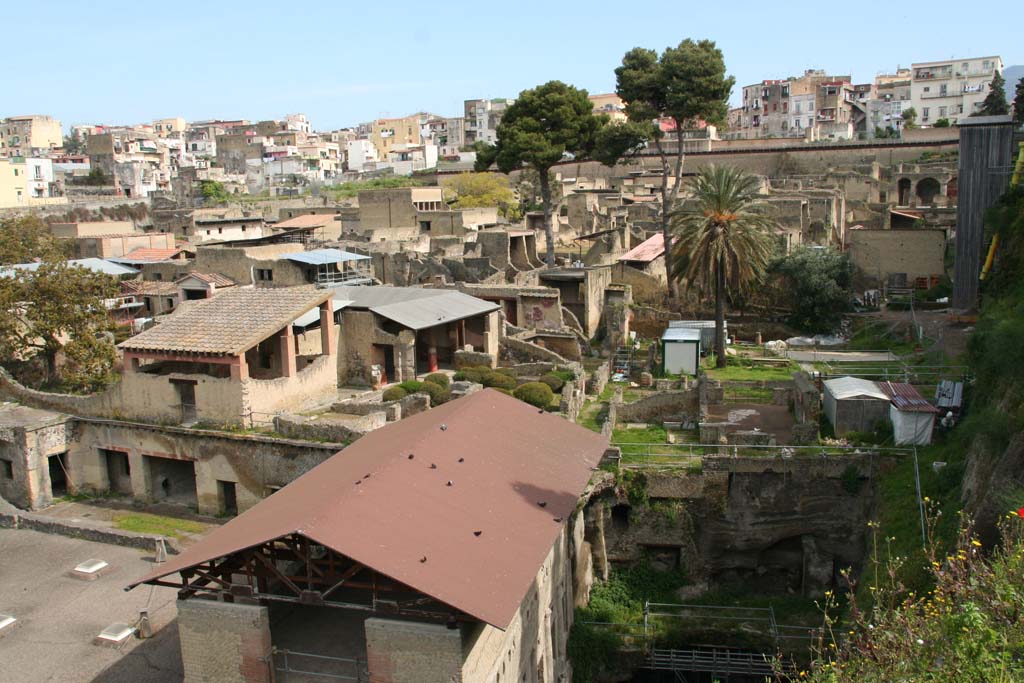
239,367
224,642
409,652
287,350
328,342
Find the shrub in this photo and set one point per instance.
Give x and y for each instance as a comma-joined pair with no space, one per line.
504,391
438,378
499,380
411,386
475,374
394,394
554,381
535,393
437,393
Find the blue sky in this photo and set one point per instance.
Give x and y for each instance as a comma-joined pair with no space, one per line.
345,62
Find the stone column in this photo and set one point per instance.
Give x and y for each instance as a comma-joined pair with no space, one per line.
328,342
224,642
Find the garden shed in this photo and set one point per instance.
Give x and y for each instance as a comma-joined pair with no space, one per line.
680,351
912,416
707,330
853,404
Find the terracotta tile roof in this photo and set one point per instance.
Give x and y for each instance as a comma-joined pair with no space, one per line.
516,475
646,251
149,287
307,221
215,279
229,323
148,255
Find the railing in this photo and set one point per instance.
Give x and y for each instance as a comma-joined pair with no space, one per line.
716,661
339,278
692,455
318,667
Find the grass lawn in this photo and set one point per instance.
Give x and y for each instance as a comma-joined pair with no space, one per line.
592,415
649,434
748,394
748,373
145,523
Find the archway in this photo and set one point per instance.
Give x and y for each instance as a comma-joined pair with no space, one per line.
927,190
952,188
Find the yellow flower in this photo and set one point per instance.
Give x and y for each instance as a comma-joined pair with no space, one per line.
976,543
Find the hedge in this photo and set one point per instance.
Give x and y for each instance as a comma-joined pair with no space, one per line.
536,394
394,394
438,378
437,393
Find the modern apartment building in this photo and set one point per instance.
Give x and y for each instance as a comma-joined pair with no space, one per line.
952,89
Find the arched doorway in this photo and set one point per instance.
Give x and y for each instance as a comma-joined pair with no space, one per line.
927,190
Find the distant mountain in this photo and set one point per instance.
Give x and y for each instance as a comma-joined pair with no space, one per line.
1012,74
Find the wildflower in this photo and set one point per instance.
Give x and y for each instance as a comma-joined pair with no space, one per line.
976,543
920,642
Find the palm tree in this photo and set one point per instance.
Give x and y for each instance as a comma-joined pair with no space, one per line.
723,239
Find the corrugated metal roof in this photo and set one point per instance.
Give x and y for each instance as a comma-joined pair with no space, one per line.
906,397
949,394
319,257
681,334
229,323
514,458
415,307
95,264
851,387
312,316
646,251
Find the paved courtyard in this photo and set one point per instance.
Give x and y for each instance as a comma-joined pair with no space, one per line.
58,615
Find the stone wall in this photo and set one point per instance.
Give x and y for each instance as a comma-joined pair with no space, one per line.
877,254
774,524
28,438
672,406
256,465
331,426
522,351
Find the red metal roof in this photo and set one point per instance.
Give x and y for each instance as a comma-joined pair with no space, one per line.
646,251
520,476
906,397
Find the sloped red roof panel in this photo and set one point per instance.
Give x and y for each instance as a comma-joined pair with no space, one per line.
906,397
515,475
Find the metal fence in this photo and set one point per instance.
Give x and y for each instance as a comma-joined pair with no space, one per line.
305,667
636,455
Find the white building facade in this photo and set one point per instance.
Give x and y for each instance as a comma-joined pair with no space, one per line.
952,89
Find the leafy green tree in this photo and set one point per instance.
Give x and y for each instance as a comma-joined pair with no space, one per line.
995,103
724,238
74,144
909,117
682,86
1018,103
475,190
818,284
539,129
942,123
27,239
55,307
213,190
